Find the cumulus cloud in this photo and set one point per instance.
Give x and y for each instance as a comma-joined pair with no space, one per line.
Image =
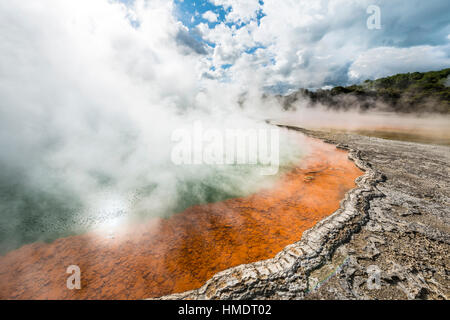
240,11
210,16
185,38
384,61
315,43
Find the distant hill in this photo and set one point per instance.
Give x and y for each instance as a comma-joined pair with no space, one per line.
406,92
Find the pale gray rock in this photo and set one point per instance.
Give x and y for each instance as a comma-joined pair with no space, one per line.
389,240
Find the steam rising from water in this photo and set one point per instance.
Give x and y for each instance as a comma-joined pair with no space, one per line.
430,128
88,105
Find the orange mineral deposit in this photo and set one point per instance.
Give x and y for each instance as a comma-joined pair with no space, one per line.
164,256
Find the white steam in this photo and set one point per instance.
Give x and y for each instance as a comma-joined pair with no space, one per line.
90,93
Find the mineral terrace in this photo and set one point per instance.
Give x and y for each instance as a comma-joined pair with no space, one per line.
389,239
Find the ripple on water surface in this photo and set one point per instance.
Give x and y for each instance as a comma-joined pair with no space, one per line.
180,253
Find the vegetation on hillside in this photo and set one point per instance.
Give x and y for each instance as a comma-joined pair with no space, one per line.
407,92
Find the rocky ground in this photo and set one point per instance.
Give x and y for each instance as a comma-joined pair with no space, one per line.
389,240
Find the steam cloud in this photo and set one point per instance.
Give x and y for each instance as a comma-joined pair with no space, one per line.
88,105
91,92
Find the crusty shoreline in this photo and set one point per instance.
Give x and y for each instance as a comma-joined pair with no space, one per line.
383,223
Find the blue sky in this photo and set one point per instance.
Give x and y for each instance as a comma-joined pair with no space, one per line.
190,13
313,43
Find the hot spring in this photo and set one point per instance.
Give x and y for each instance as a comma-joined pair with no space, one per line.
223,219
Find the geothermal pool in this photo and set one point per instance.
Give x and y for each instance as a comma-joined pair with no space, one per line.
180,253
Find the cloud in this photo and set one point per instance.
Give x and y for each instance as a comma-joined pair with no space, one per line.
184,38
210,16
314,43
240,11
229,41
385,61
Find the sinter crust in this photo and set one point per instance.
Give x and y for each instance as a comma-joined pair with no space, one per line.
389,239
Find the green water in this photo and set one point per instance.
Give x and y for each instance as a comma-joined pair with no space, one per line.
30,213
